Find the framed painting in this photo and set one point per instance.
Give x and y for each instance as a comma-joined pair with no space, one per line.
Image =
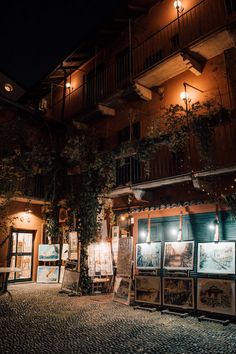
178,255
62,270
65,252
178,292
70,281
216,295
216,258
100,259
124,258
47,274
73,245
148,255
122,289
48,253
148,289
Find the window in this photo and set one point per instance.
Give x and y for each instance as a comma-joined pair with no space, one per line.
230,7
124,134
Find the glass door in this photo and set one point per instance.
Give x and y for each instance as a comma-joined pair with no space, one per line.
22,255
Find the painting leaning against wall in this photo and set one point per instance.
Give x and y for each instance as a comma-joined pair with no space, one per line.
148,289
178,292
218,258
122,289
216,295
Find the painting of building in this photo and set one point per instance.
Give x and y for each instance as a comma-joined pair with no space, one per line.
216,295
124,256
216,258
148,255
178,255
178,292
148,289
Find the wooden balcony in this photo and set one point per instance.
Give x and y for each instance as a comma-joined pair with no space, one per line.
202,32
166,168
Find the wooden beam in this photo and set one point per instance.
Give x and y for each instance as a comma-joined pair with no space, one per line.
106,111
143,92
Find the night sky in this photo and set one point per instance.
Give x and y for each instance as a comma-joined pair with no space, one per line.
36,35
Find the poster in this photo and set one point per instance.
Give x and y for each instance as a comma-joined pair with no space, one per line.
48,253
124,256
178,255
218,258
115,243
47,274
122,288
148,289
178,292
216,295
100,259
65,252
148,255
73,245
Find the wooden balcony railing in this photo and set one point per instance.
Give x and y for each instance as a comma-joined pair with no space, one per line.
165,164
201,20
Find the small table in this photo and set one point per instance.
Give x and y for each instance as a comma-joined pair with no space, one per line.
4,270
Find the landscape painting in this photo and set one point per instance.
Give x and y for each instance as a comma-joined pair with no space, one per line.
216,258
148,255
216,295
47,274
178,292
48,253
178,255
122,288
148,289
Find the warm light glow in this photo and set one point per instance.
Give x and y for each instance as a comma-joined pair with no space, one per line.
174,232
212,227
8,87
143,234
184,96
122,218
68,85
178,4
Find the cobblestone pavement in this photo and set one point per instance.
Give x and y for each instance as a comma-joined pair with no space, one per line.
40,320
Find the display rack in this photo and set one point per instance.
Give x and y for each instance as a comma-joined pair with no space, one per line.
211,319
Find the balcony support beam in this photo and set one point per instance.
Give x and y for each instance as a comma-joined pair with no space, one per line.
143,92
106,111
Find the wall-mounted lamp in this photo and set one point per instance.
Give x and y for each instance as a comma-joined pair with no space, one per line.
122,217
179,6
68,84
8,87
184,95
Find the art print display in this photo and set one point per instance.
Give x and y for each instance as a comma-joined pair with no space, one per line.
48,253
178,292
148,289
218,258
148,255
100,259
73,245
62,270
70,281
47,274
115,243
122,288
216,295
65,252
124,256
178,255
